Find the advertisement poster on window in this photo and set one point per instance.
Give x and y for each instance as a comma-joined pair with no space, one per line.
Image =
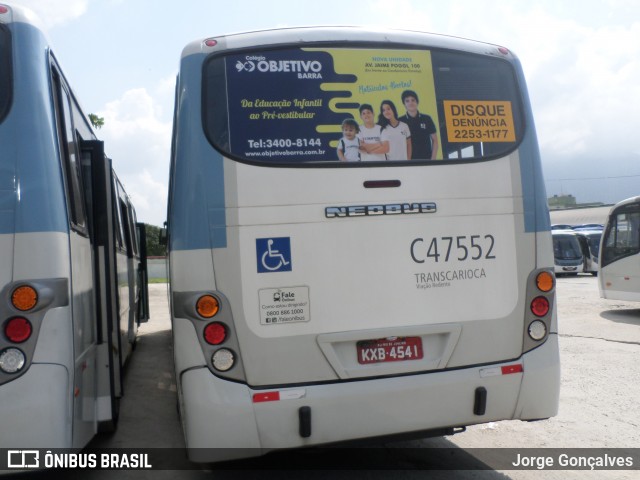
334,104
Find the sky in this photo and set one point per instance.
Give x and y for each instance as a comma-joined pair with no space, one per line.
581,60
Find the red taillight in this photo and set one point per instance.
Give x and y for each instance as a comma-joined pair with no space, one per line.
4,9
540,306
215,333
18,330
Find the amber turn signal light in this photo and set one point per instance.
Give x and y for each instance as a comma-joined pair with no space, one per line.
207,306
24,298
545,281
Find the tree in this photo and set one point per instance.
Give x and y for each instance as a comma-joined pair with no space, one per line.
96,121
154,249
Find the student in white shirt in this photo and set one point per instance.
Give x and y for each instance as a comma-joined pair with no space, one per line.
371,148
395,135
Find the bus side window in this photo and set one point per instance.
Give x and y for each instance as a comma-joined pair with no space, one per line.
126,224
120,244
70,156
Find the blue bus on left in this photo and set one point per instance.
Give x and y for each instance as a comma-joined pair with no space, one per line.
72,256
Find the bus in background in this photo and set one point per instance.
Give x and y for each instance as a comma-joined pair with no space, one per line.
590,245
319,296
567,252
620,252
71,268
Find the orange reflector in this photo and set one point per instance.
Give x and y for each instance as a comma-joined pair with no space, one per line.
24,298
266,397
512,369
207,306
544,280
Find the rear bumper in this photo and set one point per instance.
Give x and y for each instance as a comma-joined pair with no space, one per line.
221,420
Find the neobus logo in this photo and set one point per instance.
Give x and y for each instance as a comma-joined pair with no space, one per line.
374,210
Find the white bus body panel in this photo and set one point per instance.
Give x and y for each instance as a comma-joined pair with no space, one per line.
361,409
618,282
32,416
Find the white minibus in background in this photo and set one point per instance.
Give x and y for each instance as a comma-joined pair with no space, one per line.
567,252
620,252
359,241
72,265
590,244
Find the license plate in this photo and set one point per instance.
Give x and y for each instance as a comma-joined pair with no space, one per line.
393,349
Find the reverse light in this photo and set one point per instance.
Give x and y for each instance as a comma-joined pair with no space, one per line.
223,360
11,360
540,306
545,281
207,306
537,330
24,298
215,333
18,330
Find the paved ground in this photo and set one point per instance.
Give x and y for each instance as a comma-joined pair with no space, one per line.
600,406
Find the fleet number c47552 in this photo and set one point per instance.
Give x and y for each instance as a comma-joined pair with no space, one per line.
460,248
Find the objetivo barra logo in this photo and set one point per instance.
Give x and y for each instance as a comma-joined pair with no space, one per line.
276,66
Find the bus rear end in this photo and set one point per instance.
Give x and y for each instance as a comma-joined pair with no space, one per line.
316,300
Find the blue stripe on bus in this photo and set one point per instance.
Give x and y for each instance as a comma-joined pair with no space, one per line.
198,217
31,189
534,195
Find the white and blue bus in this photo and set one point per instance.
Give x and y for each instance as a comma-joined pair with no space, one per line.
72,262
567,252
404,288
619,277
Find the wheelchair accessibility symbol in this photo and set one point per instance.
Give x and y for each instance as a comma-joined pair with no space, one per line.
273,254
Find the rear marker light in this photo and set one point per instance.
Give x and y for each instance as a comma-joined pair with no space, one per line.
215,333
24,298
18,330
11,360
509,369
537,330
3,9
540,306
207,306
278,395
545,281
223,360
497,371
211,42
266,397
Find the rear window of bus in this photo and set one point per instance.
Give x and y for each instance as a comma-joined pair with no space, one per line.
5,71
307,105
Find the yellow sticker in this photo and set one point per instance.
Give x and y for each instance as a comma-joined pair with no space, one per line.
473,121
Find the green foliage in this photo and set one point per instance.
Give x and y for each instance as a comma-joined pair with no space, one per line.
154,249
96,121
